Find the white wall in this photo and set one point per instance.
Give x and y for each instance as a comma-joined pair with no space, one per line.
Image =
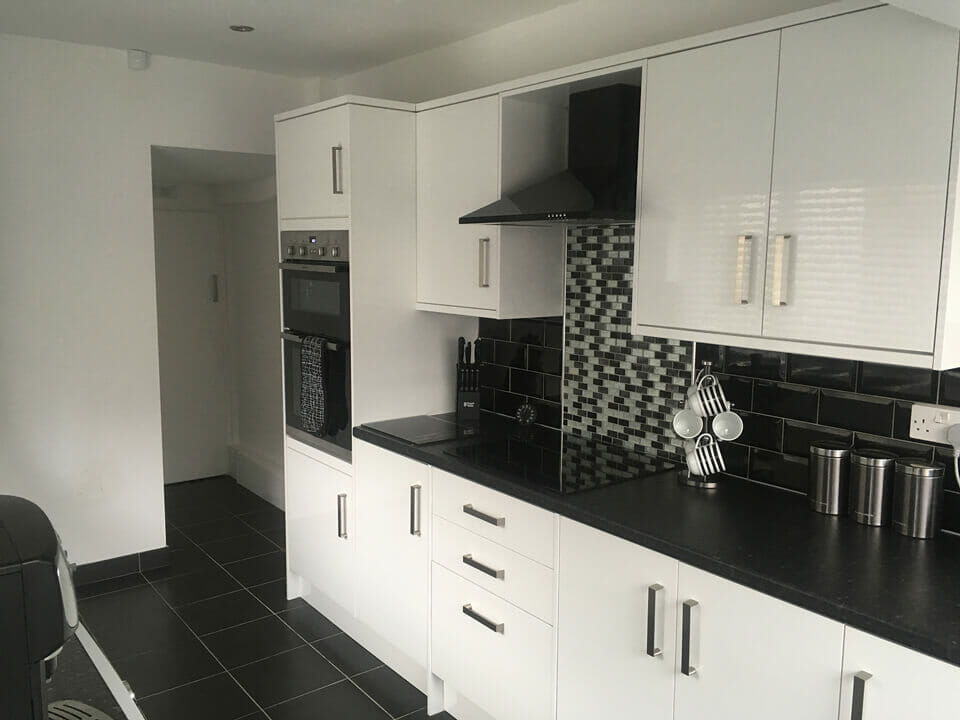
569,34
79,389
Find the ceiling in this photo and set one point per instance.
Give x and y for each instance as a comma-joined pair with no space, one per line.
173,166
292,37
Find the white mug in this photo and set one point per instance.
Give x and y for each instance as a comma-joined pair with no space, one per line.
706,398
687,423
727,425
700,458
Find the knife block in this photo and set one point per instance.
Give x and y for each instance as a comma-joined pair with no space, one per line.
468,406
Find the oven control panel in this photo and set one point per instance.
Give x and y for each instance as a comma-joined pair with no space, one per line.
327,245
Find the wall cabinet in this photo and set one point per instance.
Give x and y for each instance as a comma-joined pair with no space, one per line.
853,177
393,548
481,270
883,681
312,165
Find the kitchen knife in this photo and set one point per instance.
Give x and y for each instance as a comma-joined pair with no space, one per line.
476,364
467,360
461,343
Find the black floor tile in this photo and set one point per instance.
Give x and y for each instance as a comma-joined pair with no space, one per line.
421,714
283,677
125,582
163,669
309,624
197,586
252,641
392,692
221,612
182,560
216,698
241,501
185,515
277,536
347,654
272,519
238,548
219,529
259,570
274,596
337,702
207,490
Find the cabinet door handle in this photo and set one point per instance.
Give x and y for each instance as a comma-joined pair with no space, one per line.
489,624
655,621
342,515
498,521
336,162
215,288
779,295
483,262
744,257
690,638
859,687
485,569
415,510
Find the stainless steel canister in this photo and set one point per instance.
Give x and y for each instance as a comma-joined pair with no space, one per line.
829,464
917,496
871,486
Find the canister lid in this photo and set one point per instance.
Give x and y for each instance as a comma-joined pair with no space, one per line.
829,448
919,468
872,458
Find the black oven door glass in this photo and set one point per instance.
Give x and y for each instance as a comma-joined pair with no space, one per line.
337,363
316,300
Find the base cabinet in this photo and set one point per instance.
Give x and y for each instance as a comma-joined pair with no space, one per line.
884,681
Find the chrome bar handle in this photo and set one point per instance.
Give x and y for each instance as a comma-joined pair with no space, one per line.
485,569
498,521
215,288
415,510
655,620
474,615
342,515
483,262
336,162
859,688
744,256
690,638
779,296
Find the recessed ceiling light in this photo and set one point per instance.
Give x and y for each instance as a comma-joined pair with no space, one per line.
241,28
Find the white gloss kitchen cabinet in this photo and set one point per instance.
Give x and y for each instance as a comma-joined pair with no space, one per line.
481,270
884,681
853,174
641,634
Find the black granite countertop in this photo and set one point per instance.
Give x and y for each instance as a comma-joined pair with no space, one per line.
904,590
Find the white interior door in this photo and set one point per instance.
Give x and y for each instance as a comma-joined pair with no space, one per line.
191,328
705,185
864,119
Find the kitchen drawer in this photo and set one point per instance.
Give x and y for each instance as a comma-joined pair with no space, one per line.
506,670
507,574
505,520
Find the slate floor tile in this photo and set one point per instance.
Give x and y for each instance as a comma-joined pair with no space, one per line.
336,702
215,698
221,612
309,624
392,692
347,654
286,676
251,641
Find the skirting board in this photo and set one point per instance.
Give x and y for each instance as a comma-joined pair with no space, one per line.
258,474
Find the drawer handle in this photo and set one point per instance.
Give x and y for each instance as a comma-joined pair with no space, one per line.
859,688
485,569
654,628
690,638
415,510
469,510
474,615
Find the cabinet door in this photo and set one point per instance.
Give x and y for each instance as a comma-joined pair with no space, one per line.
320,512
705,183
606,630
312,165
458,151
393,568
753,657
899,683
864,117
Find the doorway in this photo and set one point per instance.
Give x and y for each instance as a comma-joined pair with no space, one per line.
215,236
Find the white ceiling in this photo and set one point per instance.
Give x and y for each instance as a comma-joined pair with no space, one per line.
172,166
292,37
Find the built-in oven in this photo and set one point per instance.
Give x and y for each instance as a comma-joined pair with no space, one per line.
315,281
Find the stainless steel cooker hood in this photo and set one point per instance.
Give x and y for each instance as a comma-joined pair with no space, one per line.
600,183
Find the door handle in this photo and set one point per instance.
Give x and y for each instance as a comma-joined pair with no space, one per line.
485,569
336,162
472,512
744,257
483,262
342,515
690,638
859,688
778,294
489,624
215,288
415,510
655,621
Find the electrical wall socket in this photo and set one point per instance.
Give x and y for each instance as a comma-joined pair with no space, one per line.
931,422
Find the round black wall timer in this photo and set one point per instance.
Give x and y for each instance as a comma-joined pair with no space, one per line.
526,414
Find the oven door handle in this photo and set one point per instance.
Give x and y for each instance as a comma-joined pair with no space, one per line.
305,267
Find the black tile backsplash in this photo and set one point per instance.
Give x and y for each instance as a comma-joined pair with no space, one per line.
822,372
898,382
797,402
752,363
856,412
